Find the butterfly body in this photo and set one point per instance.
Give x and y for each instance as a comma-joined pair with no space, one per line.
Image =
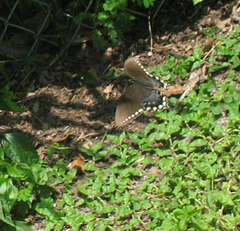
143,95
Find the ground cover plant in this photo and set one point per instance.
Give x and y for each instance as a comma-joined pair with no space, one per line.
181,173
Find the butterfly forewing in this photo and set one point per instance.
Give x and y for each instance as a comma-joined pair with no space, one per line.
135,70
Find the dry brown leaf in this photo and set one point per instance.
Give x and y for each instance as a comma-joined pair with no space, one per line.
19,39
236,13
12,50
35,23
222,23
108,54
198,75
78,162
172,90
108,89
60,139
208,45
75,75
154,171
45,126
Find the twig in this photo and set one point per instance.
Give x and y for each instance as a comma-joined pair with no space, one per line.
156,12
40,30
9,16
136,12
150,32
211,50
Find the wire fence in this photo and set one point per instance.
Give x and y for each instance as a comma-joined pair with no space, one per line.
31,26
19,36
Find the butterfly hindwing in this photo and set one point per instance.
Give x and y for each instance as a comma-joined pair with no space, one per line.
131,103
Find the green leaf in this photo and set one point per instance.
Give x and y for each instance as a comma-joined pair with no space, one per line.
5,212
87,151
15,172
100,155
6,104
195,2
111,75
97,146
130,171
68,199
165,165
40,174
26,193
20,226
235,61
197,53
46,208
117,139
147,3
123,210
71,174
73,217
216,109
8,189
93,151
7,96
197,64
18,148
145,204
198,143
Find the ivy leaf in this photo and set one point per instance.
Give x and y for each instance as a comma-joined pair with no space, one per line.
6,104
5,212
18,148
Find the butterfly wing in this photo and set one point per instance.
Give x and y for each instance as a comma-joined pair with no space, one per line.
154,101
135,70
140,97
130,103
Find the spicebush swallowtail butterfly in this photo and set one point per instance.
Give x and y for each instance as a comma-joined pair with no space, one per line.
143,95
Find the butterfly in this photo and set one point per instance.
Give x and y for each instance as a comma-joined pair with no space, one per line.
144,95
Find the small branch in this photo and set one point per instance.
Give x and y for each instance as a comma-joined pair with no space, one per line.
160,5
150,32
